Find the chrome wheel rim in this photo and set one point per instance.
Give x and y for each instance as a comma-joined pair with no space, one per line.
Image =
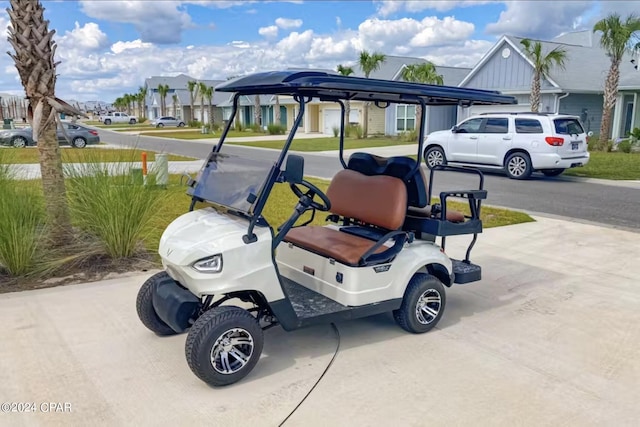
19,143
428,306
79,142
435,158
517,166
232,351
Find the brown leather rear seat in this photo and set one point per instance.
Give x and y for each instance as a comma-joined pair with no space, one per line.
377,200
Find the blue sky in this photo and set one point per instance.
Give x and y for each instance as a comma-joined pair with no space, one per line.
108,48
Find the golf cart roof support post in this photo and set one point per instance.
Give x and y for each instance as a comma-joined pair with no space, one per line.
423,121
274,174
234,110
342,129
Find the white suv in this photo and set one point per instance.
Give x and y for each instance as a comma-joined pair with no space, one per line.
519,143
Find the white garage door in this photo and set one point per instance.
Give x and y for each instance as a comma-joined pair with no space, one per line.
479,109
330,118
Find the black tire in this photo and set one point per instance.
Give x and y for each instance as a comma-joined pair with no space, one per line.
132,121
160,125
144,306
552,172
181,124
79,142
423,304
212,327
107,121
434,156
518,165
19,142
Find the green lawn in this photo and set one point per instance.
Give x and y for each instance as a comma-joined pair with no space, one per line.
325,144
196,134
71,155
615,166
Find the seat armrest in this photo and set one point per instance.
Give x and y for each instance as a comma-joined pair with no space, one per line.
370,257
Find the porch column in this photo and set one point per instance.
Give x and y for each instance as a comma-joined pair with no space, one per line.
634,116
307,118
617,117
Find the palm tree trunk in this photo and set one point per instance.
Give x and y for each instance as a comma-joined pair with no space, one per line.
609,101
347,115
34,58
535,93
365,125
418,119
202,109
256,110
276,114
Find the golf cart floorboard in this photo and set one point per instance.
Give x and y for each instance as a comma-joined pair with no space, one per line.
307,303
466,272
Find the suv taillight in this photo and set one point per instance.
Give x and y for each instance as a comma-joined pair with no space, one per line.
555,141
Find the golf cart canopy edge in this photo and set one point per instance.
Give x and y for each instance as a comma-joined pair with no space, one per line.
333,87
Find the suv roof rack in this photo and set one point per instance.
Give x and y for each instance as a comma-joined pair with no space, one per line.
515,113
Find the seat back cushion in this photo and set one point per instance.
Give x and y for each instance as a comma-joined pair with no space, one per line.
379,200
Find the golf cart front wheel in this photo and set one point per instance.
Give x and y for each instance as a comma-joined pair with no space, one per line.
224,345
423,304
144,305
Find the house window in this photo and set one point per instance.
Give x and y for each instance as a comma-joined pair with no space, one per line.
405,118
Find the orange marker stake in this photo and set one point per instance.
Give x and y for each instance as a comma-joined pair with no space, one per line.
144,167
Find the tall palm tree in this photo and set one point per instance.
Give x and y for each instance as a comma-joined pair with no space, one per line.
163,90
257,110
617,38
208,95
346,71
174,101
202,89
542,64
34,59
421,73
369,62
276,114
192,86
142,100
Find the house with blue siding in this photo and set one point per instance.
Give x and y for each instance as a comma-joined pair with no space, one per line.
577,89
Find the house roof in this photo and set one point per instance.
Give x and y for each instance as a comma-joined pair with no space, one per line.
177,82
586,66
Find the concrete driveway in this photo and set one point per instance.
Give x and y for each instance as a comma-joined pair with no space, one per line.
550,336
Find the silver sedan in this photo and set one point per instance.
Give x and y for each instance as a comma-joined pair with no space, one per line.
79,135
161,122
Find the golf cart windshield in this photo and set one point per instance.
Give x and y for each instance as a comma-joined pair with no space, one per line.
231,181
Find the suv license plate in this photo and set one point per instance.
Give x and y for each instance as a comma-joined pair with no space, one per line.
575,145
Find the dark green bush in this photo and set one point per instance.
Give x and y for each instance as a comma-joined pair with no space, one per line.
275,129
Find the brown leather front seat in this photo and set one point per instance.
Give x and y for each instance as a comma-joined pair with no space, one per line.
376,200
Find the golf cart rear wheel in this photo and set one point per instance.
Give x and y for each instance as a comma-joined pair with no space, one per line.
423,304
144,306
224,345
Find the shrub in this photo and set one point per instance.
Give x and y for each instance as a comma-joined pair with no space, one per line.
256,128
275,129
142,119
336,131
357,130
237,125
635,134
624,146
409,136
21,224
194,124
107,204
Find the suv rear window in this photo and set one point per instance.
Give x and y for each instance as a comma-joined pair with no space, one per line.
528,126
568,126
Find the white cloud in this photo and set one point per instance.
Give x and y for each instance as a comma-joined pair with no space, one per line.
539,19
288,24
269,32
119,47
389,7
159,22
89,37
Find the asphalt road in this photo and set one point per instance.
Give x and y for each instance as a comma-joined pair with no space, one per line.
611,205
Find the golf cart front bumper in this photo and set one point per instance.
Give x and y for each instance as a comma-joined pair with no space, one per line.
175,305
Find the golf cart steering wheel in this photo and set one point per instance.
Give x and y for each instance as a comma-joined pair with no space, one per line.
306,199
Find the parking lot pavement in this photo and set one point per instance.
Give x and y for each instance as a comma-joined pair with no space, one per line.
548,337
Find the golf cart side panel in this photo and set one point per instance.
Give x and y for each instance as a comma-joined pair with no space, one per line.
343,283
205,232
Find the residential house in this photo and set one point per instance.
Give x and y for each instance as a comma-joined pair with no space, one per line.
577,89
246,107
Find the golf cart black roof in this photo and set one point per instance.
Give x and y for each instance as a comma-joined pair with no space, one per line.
335,87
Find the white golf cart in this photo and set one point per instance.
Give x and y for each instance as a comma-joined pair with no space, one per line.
229,275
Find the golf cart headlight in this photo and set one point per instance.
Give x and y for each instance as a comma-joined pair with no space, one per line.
212,264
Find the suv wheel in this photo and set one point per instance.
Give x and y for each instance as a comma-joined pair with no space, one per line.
434,156
518,166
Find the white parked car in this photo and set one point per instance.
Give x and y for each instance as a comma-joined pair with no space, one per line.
518,143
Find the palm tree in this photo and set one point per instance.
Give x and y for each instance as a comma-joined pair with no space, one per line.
617,38
163,90
174,100
202,88
276,114
369,62
541,65
257,110
208,94
35,61
192,86
346,71
421,73
142,100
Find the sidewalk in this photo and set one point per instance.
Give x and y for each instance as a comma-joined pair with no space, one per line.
548,337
